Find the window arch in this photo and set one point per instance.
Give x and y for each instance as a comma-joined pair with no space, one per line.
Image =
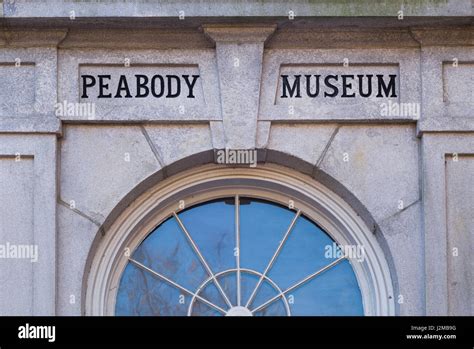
239,241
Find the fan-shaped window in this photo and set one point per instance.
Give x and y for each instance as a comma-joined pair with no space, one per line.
238,256
237,241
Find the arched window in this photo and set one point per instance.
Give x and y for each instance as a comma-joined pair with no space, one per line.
238,256
239,242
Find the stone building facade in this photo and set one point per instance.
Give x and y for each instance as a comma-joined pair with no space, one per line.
113,112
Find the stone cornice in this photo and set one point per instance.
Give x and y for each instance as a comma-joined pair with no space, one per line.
31,124
136,39
32,37
341,38
239,33
462,36
208,34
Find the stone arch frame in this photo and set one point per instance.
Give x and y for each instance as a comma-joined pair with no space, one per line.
384,278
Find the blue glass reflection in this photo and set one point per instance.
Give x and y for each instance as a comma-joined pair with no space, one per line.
211,225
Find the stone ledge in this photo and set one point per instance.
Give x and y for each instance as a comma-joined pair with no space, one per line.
308,36
30,125
136,39
239,33
462,36
31,37
289,38
445,124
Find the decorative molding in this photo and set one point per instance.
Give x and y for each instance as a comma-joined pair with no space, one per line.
206,36
238,33
136,39
445,124
107,260
31,37
434,150
449,36
289,38
240,72
42,150
30,124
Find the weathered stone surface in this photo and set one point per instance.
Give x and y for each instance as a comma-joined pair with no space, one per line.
33,124
409,191
239,57
447,86
20,97
460,231
174,142
217,133
248,8
445,124
16,228
306,142
240,68
458,83
151,84
75,236
403,234
352,84
379,164
29,217
113,161
30,74
404,63
24,37
370,149
136,39
263,133
205,105
288,38
461,36
436,151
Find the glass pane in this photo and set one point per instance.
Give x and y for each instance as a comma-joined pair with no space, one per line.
263,225
141,294
302,254
334,292
167,251
212,227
